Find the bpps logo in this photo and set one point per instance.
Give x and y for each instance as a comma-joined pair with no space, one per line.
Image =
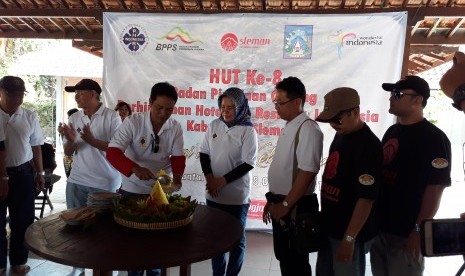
229,42
178,39
134,39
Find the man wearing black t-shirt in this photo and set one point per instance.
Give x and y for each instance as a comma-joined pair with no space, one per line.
350,187
417,163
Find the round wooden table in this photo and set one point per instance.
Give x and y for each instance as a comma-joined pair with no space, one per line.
104,246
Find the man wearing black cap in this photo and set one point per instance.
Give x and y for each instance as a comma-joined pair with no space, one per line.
349,187
417,164
23,140
86,137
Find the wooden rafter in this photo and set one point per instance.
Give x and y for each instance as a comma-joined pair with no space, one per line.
160,3
16,3
64,3
456,27
85,25
11,24
57,25
123,4
27,24
433,28
71,25
143,5
83,4
40,25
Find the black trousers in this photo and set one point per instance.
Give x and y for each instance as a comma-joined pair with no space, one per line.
20,204
291,262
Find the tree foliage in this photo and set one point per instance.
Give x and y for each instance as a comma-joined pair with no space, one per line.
44,100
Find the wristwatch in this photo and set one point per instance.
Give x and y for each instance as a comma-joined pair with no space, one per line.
349,238
285,203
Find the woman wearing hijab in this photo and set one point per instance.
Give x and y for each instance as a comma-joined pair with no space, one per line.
227,156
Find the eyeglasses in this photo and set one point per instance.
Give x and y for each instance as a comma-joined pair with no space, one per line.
338,119
397,94
283,103
155,141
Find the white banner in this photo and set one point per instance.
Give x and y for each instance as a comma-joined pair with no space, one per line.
203,55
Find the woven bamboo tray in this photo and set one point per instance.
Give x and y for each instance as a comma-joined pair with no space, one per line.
154,225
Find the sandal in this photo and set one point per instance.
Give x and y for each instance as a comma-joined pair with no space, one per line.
20,269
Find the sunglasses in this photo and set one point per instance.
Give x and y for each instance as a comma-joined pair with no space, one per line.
155,141
397,94
338,119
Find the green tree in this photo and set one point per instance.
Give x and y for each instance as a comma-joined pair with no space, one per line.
44,102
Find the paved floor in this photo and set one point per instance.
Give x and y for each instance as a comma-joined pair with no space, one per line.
260,260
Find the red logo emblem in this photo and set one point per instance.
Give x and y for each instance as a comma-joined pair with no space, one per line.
390,150
229,42
331,165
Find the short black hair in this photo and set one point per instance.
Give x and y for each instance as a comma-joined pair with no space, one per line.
163,89
293,87
121,104
72,111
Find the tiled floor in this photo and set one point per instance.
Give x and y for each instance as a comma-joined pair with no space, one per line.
260,260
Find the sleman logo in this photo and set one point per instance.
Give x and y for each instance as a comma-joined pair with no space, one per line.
298,42
440,163
366,179
229,42
134,39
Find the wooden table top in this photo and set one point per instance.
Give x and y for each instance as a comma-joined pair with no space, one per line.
102,244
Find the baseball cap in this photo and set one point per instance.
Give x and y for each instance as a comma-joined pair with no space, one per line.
85,84
337,101
12,84
410,82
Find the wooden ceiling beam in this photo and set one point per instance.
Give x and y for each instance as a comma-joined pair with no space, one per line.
54,35
27,24
57,25
40,25
433,28
71,25
415,14
456,27
438,40
11,24
16,3
85,25
123,4
83,4
160,3
64,3
143,5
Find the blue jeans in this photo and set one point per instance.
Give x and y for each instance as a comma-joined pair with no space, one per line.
151,272
388,256
20,204
326,264
236,255
76,194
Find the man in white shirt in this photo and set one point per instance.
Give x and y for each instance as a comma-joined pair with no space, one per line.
23,161
86,137
147,143
292,185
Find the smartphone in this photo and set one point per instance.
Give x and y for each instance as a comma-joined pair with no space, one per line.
443,237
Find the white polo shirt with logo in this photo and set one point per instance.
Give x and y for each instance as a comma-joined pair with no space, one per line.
309,151
90,166
228,148
22,130
134,138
